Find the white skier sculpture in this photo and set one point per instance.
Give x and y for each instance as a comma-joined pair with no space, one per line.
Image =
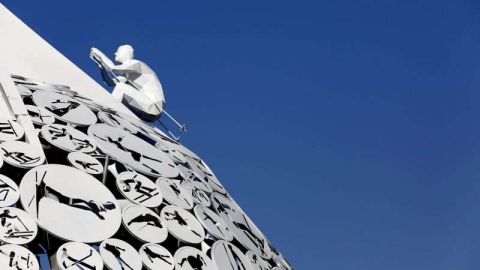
136,84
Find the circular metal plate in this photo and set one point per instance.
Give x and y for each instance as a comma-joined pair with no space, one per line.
182,225
14,257
9,191
174,193
64,108
215,225
68,138
132,151
117,121
139,189
85,163
188,258
74,208
119,255
228,257
21,154
16,226
144,224
156,257
10,130
40,116
199,196
75,255
195,179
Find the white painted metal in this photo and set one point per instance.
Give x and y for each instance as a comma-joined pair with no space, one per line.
119,255
182,224
156,257
214,225
22,155
75,255
69,203
187,258
174,193
228,257
15,257
16,226
139,189
144,224
85,163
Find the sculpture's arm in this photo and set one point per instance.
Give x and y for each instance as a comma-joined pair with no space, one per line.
101,59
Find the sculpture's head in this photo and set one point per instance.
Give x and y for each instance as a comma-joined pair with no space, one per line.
124,53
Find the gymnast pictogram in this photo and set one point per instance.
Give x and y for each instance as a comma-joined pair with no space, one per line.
145,192
117,252
88,165
146,218
179,219
195,262
152,255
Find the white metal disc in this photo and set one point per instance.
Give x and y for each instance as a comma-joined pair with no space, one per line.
16,226
201,172
15,257
64,108
132,151
139,189
21,154
156,257
119,255
69,203
76,256
68,138
115,120
10,130
182,224
174,193
188,258
195,178
85,163
176,156
214,225
229,257
9,191
40,116
199,196
243,229
144,224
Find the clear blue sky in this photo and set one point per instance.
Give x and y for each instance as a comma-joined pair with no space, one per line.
357,121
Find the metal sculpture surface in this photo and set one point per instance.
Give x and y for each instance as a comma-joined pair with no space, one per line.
136,84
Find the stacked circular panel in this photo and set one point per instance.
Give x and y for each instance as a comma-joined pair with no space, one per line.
108,191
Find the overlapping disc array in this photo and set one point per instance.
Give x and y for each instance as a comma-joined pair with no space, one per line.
108,191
